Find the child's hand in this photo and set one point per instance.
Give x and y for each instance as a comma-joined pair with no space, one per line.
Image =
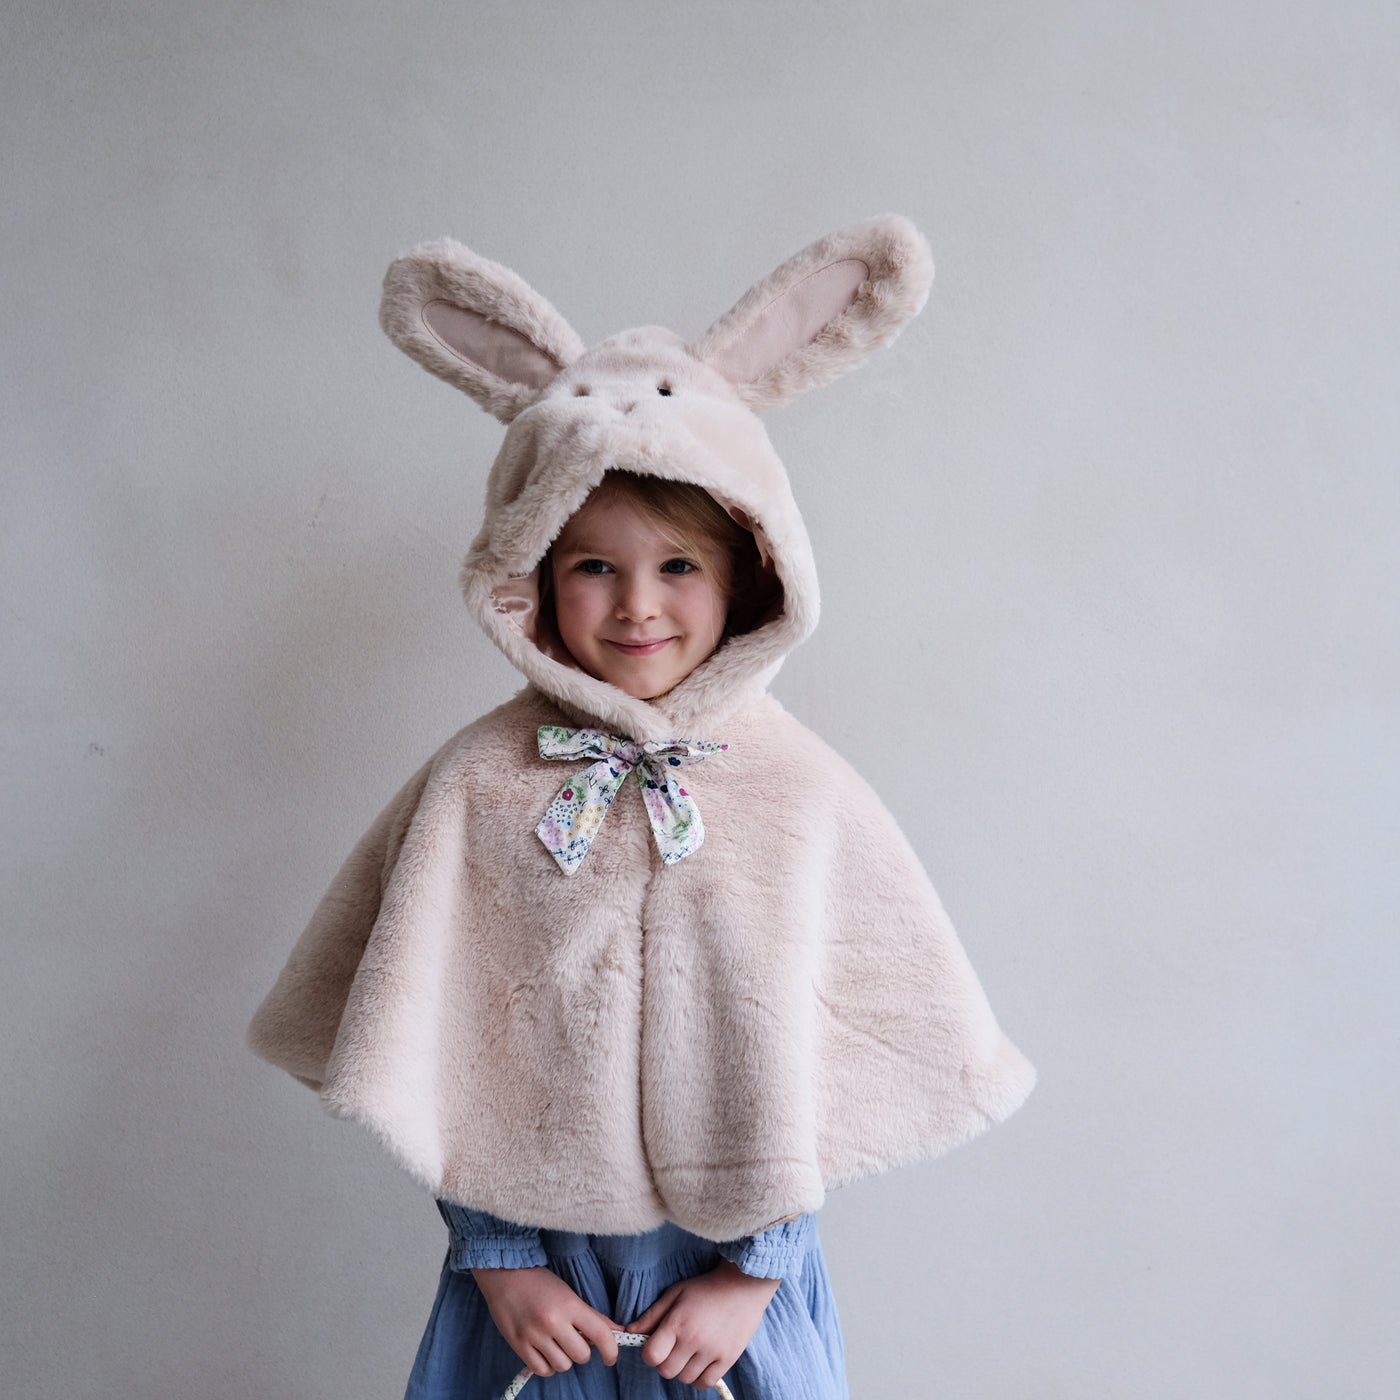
700,1326
547,1324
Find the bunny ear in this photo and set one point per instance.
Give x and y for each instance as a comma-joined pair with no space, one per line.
822,312
475,324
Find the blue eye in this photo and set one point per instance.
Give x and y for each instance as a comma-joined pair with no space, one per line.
678,566
591,566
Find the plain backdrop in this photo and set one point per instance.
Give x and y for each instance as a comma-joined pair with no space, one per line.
1108,543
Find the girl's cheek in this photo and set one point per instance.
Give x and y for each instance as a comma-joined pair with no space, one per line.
702,588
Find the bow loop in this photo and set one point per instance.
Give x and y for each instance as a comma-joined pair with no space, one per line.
573,818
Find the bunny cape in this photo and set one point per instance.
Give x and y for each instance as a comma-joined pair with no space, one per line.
716,1041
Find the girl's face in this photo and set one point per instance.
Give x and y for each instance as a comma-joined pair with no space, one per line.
632,610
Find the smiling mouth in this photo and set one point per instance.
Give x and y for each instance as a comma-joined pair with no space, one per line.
639,648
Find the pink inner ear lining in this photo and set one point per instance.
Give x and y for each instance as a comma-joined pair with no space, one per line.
792,320
497,349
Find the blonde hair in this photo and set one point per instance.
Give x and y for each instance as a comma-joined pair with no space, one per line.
696,523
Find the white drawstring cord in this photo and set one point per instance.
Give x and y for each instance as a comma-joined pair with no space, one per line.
624,1339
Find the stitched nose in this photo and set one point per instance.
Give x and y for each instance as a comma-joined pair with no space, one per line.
627,407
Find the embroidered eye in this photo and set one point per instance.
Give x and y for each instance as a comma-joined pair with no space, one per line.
581,391
664,390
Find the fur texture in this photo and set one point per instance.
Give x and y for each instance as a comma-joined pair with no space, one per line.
447,273
899,273
717,1042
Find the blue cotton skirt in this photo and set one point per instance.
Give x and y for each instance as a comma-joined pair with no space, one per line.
796,1354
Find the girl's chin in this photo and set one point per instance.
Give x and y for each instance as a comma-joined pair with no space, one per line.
647,692
638,679
644,687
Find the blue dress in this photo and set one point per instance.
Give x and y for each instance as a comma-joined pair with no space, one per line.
796,1354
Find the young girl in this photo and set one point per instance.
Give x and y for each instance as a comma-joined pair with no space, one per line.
631,1038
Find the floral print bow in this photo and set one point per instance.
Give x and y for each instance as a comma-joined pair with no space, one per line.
569,826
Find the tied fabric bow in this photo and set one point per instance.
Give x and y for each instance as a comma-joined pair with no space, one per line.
569,826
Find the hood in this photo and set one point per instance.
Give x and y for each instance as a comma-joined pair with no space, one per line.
647,402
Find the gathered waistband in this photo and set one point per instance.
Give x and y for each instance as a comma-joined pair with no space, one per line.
628,1251
665,1242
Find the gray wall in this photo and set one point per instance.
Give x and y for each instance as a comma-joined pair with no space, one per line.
1108,543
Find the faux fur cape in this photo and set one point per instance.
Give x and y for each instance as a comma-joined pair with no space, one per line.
718,1041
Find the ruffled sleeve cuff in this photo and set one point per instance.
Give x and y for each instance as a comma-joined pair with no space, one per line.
774,1252
479,1240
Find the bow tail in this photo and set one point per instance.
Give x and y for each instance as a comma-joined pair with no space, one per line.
675,819
572,819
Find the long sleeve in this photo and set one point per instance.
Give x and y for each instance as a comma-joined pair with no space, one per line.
479,1240
774,1252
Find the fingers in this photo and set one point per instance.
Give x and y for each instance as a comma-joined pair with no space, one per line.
544,1321
701,1369
680,1363
657,1352
663,1350
710,1377
537,1364
678,1359
598,1330
573,1342
567,1347
700,1326
653,1315
691,1371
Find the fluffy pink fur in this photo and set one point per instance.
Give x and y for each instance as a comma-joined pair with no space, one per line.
900,274
449,272
716,1042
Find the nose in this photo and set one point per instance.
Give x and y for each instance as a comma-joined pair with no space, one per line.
636,599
